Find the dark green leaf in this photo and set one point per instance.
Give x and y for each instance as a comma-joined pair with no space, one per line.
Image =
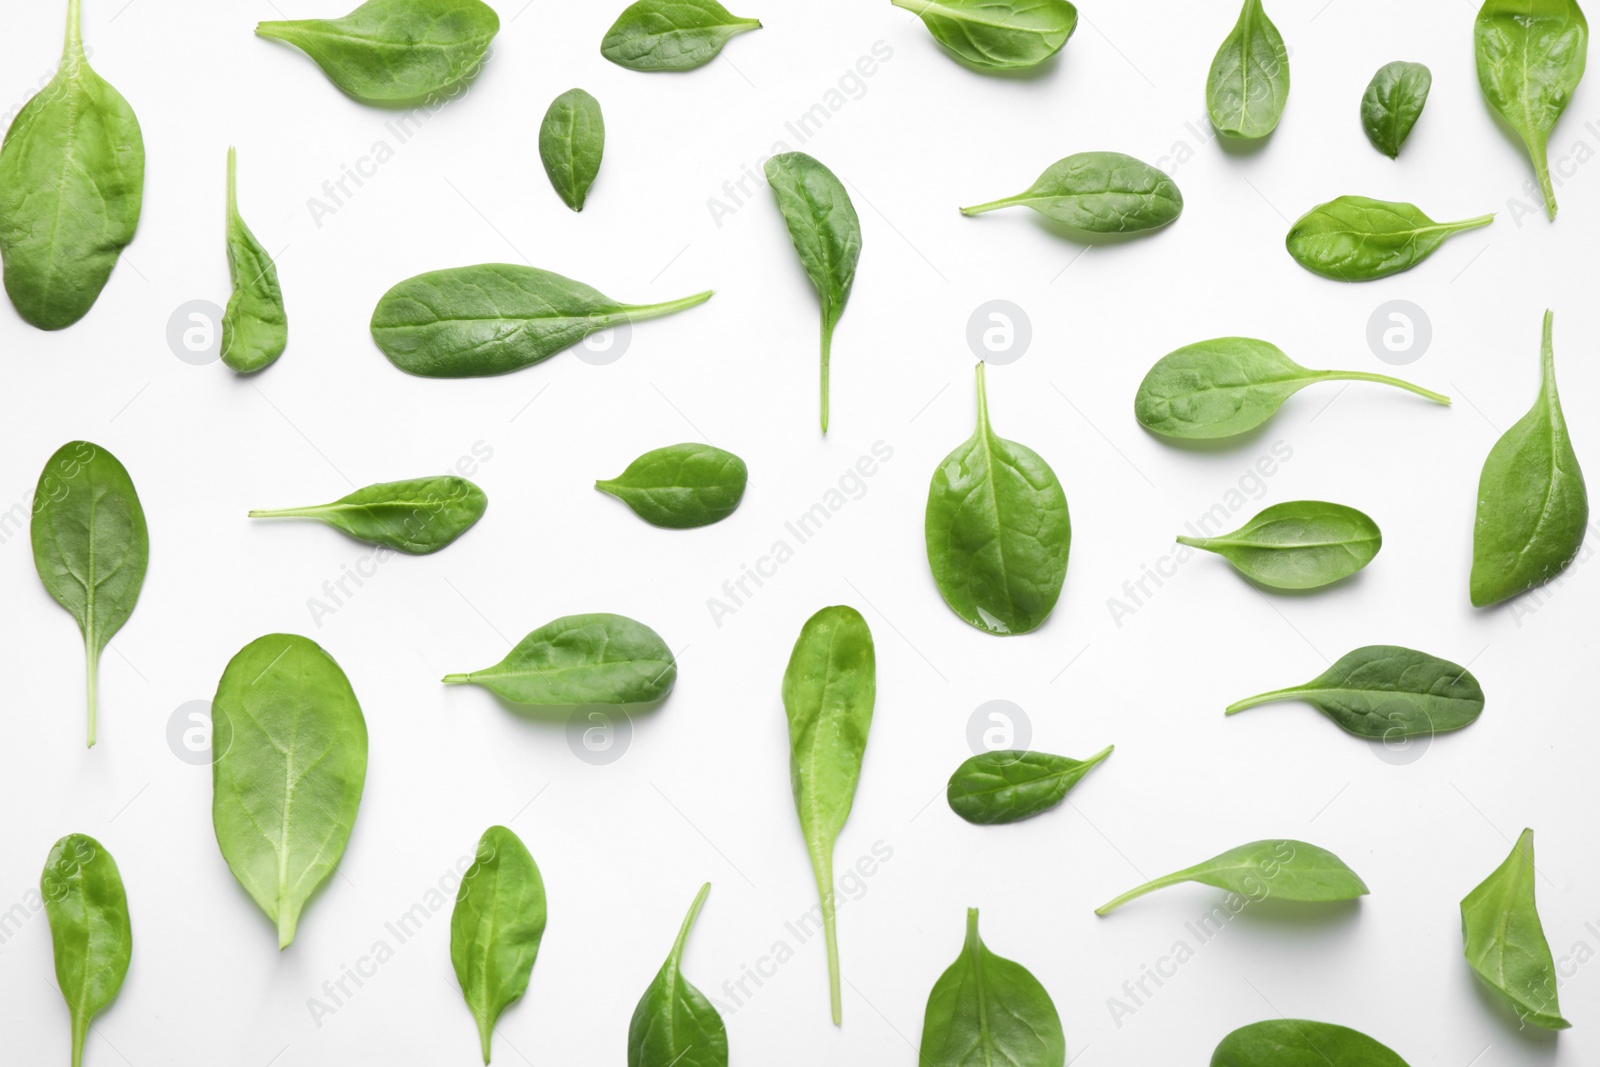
417,516
987,1010
1266,870
89,929
671,35
674,1025
1505,940
496,927
1302,544
1099,192
1249,81
1300,1043
255,328
681,486
1392,104
1008,786
997,34
581,659
572,140
1358,239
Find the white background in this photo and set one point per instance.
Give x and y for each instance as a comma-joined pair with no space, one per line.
703,792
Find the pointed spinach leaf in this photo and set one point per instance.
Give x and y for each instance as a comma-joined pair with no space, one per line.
1301,544
1262,870
1009,786
681,486
1505,940
495,929
671,35
997,34
1392,104
1249,81
416,516
1301,1043
581,659
674,1025
1099,192
985,1009
255,328
89,929
572,140
1358,239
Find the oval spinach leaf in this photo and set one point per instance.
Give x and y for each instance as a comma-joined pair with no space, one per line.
1392,104
997,34
496,927
255,328
396,53
1263,870
1301,1043
826,233
1383,692
416,516
572,139
1531,56
672,35
681,486
468,322
1099,192
674,1025
71,189
1229,386
1249,81
987,1009
89,929
1506,943
581,659
997,530
1358,239
1009,786
291,758
90,546
1302,544
829,690
1533,505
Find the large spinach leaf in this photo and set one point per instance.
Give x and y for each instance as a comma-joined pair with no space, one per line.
495,929
681,486
572,140
255,328
89,929
1358,239
1301,544
1011,785
674,1025
1249,81
1301,1043
416,516
997,34
671,35
1392,104
1505,940
1099,192
581,659
1262,870
986,1009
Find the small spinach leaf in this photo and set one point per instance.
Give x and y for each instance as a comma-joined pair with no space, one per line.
581,659
1358,239
1533,505
1392,104
1531,56
1249,81
826,233
673,35
291,759
681,486
1262,870
986,1009
1301,1043
495,929
89,929
998,531
417,516
997,34
90,546
255,328
1302,544
829,689
674,1025
468,322
396,53
1099,192
1230,385
1505,941
1383,692
71,190
572,140
1009,786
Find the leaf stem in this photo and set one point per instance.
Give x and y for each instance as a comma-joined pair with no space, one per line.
655,311
1139,891
1195,542
827,358
979,209
92,655
688,924
233,184
457,679
1541,167
823,861
1272,697
983,401
285,513
285,926
72,51
1547,359
973,942
1382,379
1095,759
80,1020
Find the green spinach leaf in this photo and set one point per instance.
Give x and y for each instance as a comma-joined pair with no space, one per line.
1301,1043
829,689
496,927
71,189
1302,544
396,53
1099,192
1266,870
998,531
681,486
672,35
1383,692
1230,385
416,516
1505,940
1392,104
468,322
291,760
1249,81
986,1009
1531,56
90,546
572,139
581,659
997,34
1358,239
1533,506
674,1025
89,929
826,233
1012,785
255,328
